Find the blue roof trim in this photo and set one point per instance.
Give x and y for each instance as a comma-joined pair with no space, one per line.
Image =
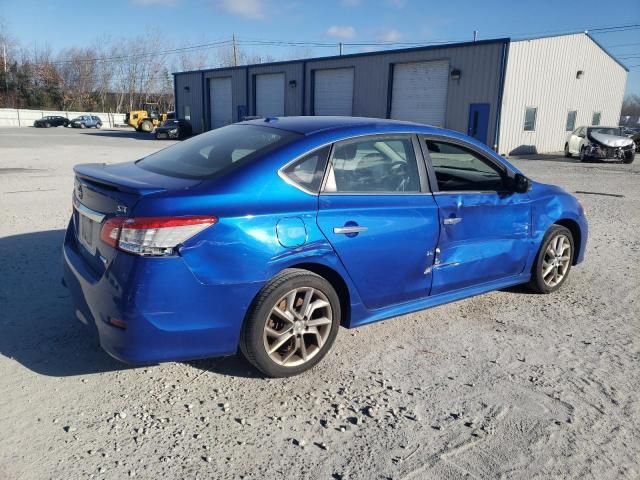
353,55
581,32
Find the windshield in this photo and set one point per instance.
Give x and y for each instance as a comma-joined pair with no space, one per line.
607,131
216,151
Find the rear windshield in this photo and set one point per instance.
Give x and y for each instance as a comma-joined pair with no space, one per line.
216,152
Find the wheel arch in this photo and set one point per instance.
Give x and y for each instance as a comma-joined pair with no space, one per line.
576,233
337,282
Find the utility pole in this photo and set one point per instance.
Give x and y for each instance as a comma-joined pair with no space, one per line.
340,48
475,35
235,53
4,56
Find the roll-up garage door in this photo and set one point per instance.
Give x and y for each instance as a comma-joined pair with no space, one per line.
333,92
270,95
419,92
221,105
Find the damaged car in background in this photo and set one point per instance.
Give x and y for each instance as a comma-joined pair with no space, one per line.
600,143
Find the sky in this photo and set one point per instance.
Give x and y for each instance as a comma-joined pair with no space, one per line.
69,23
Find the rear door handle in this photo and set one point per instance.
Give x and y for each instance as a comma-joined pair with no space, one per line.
452,221
350,229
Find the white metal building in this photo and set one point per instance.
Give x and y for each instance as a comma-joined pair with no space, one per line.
516,96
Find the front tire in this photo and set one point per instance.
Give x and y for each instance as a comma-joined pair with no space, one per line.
47,125
567,153
146,126
629,158
82,125
553,261
292,324
583,154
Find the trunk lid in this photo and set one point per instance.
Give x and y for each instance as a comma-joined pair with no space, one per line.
104,191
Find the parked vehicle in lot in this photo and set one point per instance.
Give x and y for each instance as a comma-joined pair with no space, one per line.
51,121
600,143
86,121
174,129
268,235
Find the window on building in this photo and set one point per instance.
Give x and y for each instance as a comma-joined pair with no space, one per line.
381,164
460,169
308,171
571,120
530,119
596,118
187,112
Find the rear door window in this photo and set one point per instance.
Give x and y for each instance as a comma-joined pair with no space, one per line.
217,151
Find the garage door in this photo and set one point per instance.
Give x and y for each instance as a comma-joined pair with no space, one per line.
333,92
221,105
270,95
419,92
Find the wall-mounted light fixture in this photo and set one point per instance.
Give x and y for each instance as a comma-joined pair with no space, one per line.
456,74
293,84
187,88
579,74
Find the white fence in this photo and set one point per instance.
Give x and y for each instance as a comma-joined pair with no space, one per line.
12,117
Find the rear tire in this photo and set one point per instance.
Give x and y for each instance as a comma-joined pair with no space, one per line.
146,126
98,125
567,153
553,262
291,324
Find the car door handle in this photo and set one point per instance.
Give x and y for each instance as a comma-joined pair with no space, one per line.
452,220
350,229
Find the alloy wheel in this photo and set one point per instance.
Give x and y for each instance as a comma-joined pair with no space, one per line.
298,327
556,261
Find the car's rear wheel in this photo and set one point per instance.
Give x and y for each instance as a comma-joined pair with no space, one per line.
98,125
567,153
553,262
292,324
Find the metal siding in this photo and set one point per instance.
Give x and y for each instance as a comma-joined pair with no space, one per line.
479,82
191,98
541,73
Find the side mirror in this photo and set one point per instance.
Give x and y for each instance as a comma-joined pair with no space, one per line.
521,184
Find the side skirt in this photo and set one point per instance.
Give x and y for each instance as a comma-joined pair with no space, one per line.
441,299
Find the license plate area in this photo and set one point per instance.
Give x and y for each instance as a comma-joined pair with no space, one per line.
85,233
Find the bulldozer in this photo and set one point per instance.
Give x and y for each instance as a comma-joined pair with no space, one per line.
146,119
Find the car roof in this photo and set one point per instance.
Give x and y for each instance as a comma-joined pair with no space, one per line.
307,125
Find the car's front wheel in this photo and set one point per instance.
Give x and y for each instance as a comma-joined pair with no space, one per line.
292,324
629,157
583,154
567,153
553,262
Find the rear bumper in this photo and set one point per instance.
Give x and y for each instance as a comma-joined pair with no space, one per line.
169,314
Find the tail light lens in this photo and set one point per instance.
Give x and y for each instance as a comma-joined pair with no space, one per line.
152,235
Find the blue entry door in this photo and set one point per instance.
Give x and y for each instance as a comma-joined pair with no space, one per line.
479,121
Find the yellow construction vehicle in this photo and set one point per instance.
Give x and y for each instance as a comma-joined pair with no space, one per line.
147,119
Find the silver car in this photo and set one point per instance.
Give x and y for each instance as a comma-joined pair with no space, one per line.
600,143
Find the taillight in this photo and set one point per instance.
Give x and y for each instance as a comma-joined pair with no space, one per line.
152,235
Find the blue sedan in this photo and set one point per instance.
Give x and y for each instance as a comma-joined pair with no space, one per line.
266,236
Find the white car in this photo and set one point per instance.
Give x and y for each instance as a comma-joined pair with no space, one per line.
600,143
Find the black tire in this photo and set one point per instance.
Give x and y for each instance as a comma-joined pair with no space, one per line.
629,157
537,283
567,153
583,154
252,344
146,126
47,125
98,125
82,125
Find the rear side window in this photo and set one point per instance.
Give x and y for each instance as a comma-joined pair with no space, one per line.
309,170
381,164
217,151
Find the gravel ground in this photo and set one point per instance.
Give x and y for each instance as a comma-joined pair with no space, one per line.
505,385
